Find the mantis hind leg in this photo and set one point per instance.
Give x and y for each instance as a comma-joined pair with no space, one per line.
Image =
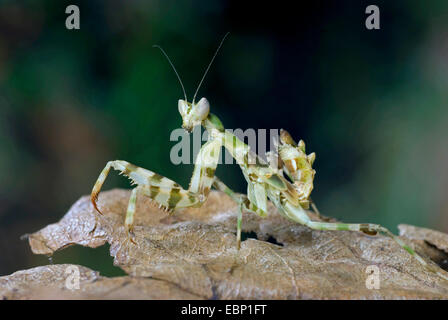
299,215
373,229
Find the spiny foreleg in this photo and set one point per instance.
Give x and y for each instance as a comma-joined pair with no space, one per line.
205,167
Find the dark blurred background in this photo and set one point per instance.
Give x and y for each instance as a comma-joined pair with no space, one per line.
371,103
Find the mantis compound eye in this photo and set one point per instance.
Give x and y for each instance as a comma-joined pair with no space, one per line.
202,109
183,107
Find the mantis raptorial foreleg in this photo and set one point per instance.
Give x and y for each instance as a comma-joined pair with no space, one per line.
205,167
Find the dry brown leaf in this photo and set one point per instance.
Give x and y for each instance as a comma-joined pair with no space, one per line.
432,237
195,250
53,283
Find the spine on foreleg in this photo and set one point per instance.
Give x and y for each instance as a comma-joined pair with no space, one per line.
205,167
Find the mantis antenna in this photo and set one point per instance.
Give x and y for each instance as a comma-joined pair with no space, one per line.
206,71
172,65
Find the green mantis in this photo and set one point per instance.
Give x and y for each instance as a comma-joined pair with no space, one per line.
287,184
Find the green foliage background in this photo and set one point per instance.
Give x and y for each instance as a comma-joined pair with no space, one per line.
371,104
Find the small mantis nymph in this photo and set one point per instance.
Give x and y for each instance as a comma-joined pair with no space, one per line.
264,181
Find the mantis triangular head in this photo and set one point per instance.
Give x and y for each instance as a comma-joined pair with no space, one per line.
193,113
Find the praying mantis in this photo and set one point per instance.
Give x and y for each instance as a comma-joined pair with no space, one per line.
287,184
